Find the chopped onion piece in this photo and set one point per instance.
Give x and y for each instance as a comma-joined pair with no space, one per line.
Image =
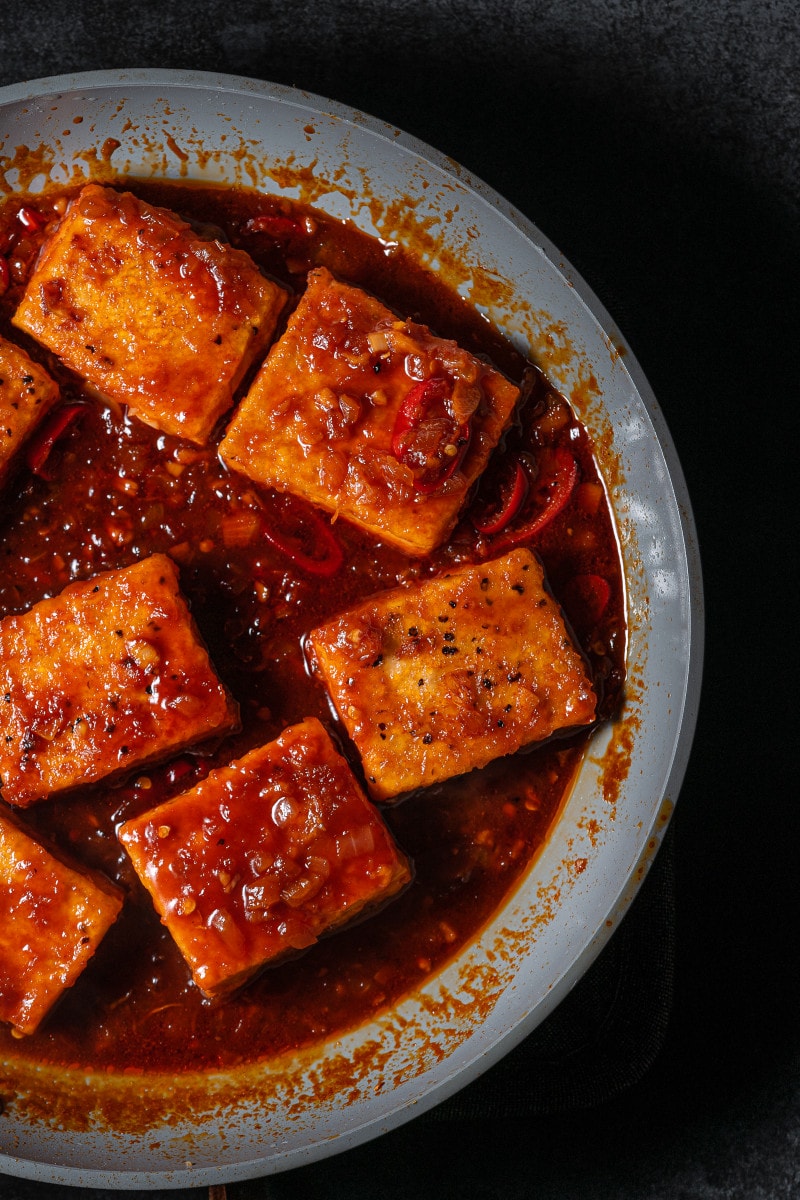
357,842
260,897
296,934
223,923
318,866
240,528
378,341
283,812
299,890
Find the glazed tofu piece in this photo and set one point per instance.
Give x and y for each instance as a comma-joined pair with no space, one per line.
148,312
52,919
370,417
263,857
436,678
26,393
106,676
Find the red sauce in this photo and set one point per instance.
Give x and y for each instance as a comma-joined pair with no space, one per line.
117,491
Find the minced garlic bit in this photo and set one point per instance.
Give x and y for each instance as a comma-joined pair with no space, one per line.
378,341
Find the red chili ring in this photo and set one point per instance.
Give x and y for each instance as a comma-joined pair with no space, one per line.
461,442
564,478
409,418
44,439
325,566
517,496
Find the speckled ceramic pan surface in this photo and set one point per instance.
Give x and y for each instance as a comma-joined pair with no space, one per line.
113,1131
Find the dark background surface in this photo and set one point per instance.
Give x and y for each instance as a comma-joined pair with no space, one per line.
657,146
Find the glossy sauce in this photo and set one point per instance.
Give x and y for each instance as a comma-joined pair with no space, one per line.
117,491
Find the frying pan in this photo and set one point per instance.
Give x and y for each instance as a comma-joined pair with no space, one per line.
101,1130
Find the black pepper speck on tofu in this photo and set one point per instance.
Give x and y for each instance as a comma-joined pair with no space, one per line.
490,687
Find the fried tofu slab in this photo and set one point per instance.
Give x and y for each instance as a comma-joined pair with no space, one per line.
52,918
435,678
26,394
263,857
147,312
109,674
370,417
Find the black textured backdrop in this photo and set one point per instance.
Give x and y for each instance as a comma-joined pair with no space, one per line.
657,145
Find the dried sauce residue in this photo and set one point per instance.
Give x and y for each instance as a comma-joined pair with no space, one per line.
20,170
178,152
616,763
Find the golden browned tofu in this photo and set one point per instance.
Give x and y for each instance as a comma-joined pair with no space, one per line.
107,675
263,857
149,313
52,919
436,678
26,394
370,417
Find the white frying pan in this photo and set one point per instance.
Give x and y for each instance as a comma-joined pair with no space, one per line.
76,1127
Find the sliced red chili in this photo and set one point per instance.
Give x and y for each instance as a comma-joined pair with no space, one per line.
44,439
275,225
585,599
314,548
426,436
454,452
31,219
411,412
554,484
512,494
